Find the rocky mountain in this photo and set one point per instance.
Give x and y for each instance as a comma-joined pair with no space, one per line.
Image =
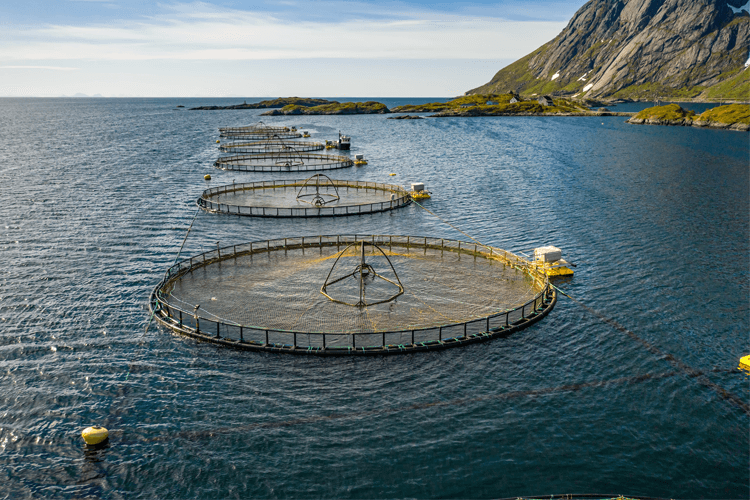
640,49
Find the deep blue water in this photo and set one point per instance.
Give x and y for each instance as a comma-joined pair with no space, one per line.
98,195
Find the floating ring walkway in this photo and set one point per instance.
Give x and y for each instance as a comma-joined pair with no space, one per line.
273,295
282,161
317,196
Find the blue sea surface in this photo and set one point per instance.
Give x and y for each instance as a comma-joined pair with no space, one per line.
629,387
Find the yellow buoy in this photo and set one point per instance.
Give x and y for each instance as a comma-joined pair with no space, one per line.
391,175
217,141
207,177
744,363
95,434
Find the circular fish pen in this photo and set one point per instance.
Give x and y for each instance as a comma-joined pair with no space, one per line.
317,196
255,128
259,135
273,144
282,161
351,295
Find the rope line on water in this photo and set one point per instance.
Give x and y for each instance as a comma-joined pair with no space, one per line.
690,371
151,316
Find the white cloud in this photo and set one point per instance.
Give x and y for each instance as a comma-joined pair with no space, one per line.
55,68
203,32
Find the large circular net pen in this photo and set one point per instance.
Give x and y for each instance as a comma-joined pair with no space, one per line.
282,161
255,128
351,294
317,196
270,145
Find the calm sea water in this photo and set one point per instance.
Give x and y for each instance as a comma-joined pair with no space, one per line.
98,195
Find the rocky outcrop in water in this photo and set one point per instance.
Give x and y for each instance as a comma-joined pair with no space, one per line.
640,49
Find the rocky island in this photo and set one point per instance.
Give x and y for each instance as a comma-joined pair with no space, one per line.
273,103
332,108
730,117
509,104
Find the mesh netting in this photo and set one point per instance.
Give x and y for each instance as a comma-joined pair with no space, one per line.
271,145
270,293
282,161
297,198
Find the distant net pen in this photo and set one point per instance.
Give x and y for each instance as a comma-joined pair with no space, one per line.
289,160
344,295
255,128
316,196
272,144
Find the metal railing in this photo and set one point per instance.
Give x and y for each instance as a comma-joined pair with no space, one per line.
282,161
217,330
402,199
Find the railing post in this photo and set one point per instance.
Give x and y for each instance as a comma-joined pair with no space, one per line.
266,337
242,337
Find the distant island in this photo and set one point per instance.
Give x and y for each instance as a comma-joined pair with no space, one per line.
332,108
273,103
730,117
509,104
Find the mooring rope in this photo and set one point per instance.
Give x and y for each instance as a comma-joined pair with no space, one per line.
691,372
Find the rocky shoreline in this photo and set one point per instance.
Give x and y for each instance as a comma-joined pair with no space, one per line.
729,117
686,122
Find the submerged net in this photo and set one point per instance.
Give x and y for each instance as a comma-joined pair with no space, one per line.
270,292
283,161
313,197
271,145
255,128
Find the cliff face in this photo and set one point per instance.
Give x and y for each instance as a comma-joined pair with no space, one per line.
640,49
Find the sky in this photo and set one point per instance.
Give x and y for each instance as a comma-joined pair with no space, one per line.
138,48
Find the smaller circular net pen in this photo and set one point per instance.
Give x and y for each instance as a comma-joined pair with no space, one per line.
288,160
255,128
316,196
272,144
344,295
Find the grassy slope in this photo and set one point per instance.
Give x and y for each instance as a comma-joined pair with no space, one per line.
731,113
339,108
668,112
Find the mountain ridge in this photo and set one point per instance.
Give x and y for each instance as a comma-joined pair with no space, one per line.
639,49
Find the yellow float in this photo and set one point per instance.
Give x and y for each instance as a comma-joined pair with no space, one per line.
207,177
95,435
744,363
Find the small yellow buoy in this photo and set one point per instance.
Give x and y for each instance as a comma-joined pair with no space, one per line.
391,175
217,141
95,435
744,363
207,177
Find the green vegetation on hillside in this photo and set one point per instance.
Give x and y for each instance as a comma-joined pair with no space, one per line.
668,112
477,106
272,103
731,113
334,108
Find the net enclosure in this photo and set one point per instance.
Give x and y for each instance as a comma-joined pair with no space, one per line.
254,128
317,196
351,295
272,144
282,161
